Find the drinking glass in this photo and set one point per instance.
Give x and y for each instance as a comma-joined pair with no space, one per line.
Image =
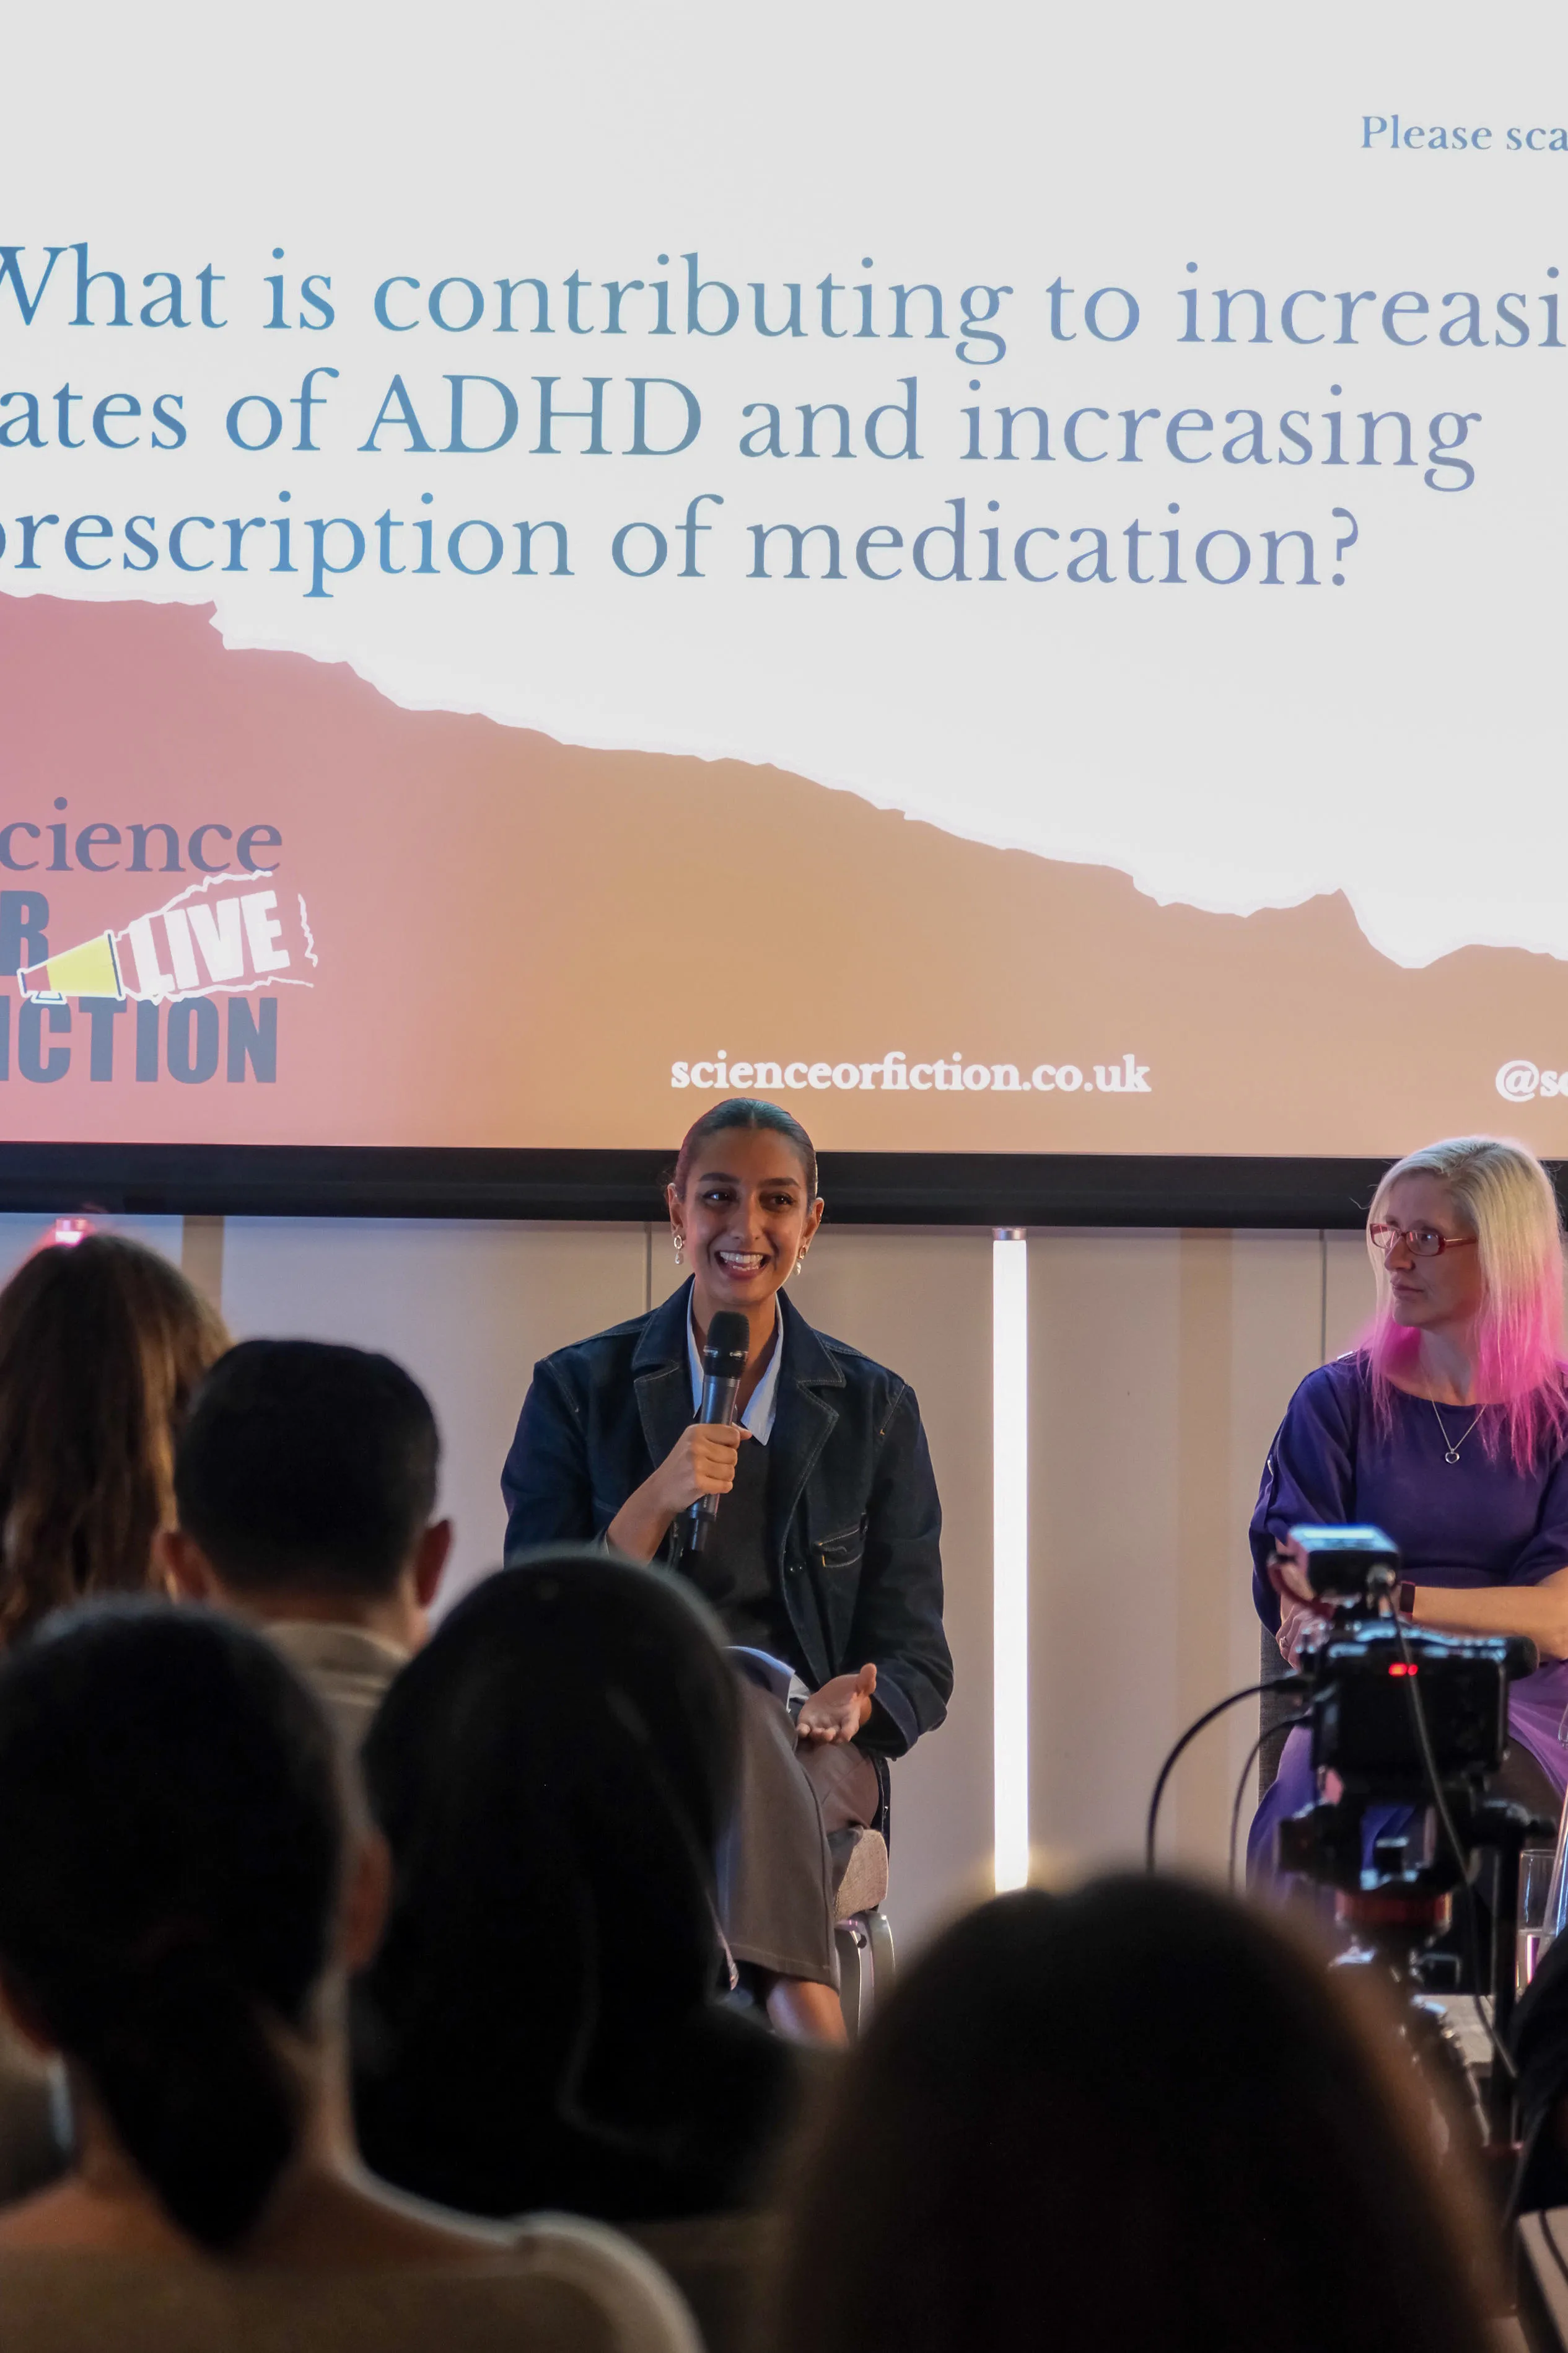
1541,1900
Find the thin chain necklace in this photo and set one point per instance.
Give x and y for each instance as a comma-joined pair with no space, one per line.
1451,1445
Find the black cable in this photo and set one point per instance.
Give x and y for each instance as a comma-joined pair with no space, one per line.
1450,1831
1235,1809
1190,1733
1286,1723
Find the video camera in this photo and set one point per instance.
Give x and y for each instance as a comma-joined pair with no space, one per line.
1366,1723
1404,1716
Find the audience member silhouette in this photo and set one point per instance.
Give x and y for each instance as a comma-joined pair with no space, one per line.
101,1346
182,1891
305,1479
540,2027
1137,2116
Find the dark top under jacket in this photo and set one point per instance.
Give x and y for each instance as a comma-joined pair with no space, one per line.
732,1571
853,1524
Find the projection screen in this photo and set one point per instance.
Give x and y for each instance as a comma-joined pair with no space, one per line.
988,574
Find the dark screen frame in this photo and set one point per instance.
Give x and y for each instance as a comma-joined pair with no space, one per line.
907,1188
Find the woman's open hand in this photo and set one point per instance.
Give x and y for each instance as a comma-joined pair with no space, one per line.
700,1463
839,1709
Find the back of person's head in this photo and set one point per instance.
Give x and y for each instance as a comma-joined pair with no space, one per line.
306,1465
101,1345
1136,2116
171,1847
552,1773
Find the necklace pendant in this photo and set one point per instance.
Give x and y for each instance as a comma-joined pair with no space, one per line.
1451,1445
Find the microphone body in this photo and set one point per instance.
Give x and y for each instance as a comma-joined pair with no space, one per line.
723,1362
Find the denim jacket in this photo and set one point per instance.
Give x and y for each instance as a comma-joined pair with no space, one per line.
854,1523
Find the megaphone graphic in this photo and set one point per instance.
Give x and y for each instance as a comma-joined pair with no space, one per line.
90,970
215,937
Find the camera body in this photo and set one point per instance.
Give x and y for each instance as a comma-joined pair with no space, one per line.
1401,1715
1363,1725
1408,1719
1358,1678
1346,1564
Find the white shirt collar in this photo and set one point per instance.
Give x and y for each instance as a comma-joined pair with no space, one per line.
758,1417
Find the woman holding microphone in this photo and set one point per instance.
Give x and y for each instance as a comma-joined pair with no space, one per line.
825,1553
1449,1427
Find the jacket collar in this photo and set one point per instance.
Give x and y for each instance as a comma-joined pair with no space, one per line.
659,1375
662,1341
806,1361
662,1344
805,1419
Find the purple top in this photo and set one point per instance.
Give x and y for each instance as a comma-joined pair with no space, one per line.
1474,1522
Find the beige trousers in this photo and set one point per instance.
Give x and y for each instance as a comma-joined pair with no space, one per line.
778,1866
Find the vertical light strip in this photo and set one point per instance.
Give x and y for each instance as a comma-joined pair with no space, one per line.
1010,1551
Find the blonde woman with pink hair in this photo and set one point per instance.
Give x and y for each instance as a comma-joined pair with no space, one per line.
1448,1426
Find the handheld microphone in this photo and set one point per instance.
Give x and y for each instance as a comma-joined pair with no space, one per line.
723,1361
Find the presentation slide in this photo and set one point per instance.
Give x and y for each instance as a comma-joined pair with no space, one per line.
988,574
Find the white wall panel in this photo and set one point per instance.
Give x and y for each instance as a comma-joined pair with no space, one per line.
1104,1346
920,1302
1161,1364
1349,1292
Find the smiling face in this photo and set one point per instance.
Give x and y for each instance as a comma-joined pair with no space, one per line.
746,1216
1430,1294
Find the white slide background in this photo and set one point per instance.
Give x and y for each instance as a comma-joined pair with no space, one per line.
1398,736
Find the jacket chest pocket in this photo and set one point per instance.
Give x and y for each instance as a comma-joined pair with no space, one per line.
835,1555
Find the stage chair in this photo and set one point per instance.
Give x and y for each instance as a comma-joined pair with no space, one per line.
862,1931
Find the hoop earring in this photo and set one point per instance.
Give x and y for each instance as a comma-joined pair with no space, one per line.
679,1240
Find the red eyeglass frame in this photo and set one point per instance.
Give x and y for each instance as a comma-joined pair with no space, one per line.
1406,1234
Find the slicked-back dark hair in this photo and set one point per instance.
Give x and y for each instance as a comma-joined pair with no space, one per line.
170,1853
744,1111
304,1464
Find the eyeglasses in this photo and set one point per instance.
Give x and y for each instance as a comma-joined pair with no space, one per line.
1421,1241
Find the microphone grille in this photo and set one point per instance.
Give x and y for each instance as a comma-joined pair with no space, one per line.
729,1335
